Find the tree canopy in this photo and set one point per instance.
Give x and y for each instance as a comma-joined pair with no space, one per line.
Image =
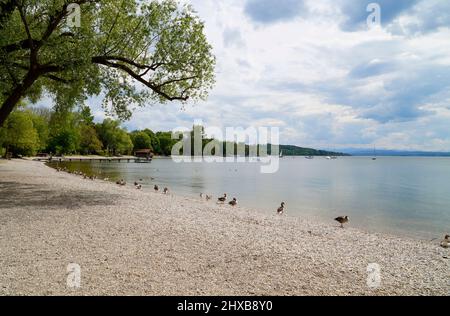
131,52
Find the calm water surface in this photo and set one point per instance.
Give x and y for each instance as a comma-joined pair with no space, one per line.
400,195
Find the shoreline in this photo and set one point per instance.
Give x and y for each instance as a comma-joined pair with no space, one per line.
128,241
419,235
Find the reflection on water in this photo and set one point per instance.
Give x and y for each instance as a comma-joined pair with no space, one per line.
392,194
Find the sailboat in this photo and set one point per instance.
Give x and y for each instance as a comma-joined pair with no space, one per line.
374,154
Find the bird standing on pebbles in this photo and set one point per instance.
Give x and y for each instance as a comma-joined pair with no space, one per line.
156,188
233,202
342,220
165,191
446,242
280,210
208,197
222,199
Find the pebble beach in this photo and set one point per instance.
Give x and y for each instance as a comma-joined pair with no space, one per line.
138,242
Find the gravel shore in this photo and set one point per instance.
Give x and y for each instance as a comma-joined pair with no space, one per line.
137,242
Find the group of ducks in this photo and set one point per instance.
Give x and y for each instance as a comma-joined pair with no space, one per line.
220,200
445,243
233,202
138,186
78,173
165,190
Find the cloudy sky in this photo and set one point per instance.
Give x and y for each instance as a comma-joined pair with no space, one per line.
315,70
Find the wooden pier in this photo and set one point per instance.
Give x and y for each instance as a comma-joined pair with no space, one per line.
127,159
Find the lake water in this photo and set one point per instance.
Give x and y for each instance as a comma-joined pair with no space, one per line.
400,195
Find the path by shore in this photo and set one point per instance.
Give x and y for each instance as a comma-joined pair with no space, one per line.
137,242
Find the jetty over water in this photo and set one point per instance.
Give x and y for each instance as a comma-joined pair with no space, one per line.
127,159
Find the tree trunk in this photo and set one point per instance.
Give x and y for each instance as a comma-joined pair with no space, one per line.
15,96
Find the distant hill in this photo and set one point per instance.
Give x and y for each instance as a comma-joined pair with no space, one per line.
291,150
389,152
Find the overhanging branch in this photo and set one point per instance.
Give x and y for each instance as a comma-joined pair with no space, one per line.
105,61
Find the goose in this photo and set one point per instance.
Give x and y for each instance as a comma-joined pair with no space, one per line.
342,220
165,191
222,199
156,188
280,210
446,242
233,202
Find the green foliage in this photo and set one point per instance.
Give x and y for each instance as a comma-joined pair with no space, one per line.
86,116
133,51
115,139
40,123
166,142
65,141
19,135
89,142
124,145
155,144
64,133
141,140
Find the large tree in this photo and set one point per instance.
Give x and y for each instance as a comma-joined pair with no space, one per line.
131,52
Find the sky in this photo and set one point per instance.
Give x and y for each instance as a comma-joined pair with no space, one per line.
316,70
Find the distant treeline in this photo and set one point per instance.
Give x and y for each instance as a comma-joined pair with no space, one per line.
29,131
291,150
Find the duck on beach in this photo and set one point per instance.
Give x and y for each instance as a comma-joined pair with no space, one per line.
280,210
156,188
233,202
342,220
208,197
222,199
121,182
445,243
201,195
165,191
138,186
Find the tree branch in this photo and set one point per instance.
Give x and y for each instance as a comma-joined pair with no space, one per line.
104,61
